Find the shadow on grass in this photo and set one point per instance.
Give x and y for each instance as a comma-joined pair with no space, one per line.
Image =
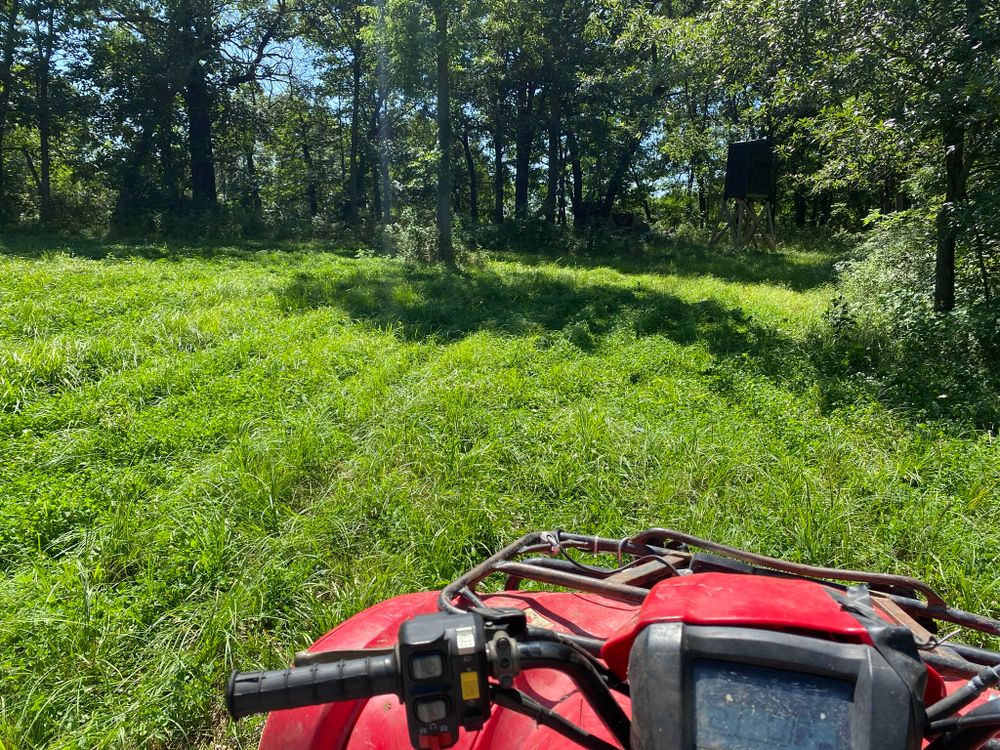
806,259
422,303
428,304
751,267
38,246
799,269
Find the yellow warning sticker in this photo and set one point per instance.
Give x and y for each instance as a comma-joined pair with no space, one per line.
470,686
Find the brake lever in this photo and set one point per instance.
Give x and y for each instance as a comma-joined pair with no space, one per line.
308,658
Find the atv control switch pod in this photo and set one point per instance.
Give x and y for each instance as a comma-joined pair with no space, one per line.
438,669
443,664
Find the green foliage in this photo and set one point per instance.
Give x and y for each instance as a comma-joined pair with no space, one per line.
231,119
596,241
411,236
213,454
884,334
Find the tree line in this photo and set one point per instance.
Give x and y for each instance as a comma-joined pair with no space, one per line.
304,117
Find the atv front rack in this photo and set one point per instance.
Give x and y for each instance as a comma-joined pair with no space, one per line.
449,669
656,554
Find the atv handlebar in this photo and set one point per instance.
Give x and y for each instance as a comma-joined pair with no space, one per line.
348,679
441,665
439,669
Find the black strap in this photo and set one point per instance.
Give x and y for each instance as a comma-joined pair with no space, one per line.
895,644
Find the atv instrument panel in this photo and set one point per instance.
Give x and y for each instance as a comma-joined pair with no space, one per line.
760,708
732,688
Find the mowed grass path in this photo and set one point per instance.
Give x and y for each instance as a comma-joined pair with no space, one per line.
210,457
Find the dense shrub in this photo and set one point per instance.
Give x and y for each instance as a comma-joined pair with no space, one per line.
413,236
533,235
883,332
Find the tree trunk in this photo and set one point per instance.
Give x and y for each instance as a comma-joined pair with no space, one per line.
984,274
169,171
648,211
957,165
355,176
629,149
887,201
826,209
383,124
944,264
902,201
470,165
617,181
44,73
362,167
554,53
253,202
555,166
376,193
45,160
446,252
456,194
30,164
702,203
198,101
368,164
800,207
312,191
341,150
522,149
386,189
125,203
384,151
576,196
6,85
499,171
562,185
378,138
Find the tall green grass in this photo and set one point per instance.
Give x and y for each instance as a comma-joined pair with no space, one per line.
210,456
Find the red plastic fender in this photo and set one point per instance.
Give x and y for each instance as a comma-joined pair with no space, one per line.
789,605
708,598
380,723
329,727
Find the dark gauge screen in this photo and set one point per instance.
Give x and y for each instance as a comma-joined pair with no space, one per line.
745,707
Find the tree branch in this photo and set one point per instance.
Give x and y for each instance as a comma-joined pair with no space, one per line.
31,168
134,20
250,72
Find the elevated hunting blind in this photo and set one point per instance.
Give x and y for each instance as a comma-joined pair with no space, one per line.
749,173
749,178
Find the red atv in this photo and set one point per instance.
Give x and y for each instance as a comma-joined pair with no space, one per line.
674,643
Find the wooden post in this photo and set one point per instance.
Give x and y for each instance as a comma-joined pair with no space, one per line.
745,224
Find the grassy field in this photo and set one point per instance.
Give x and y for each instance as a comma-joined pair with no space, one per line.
210,456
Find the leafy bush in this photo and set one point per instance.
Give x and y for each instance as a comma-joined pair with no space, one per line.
412,236
534,235
883,332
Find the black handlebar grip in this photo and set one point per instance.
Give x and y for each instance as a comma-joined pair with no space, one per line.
349,679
